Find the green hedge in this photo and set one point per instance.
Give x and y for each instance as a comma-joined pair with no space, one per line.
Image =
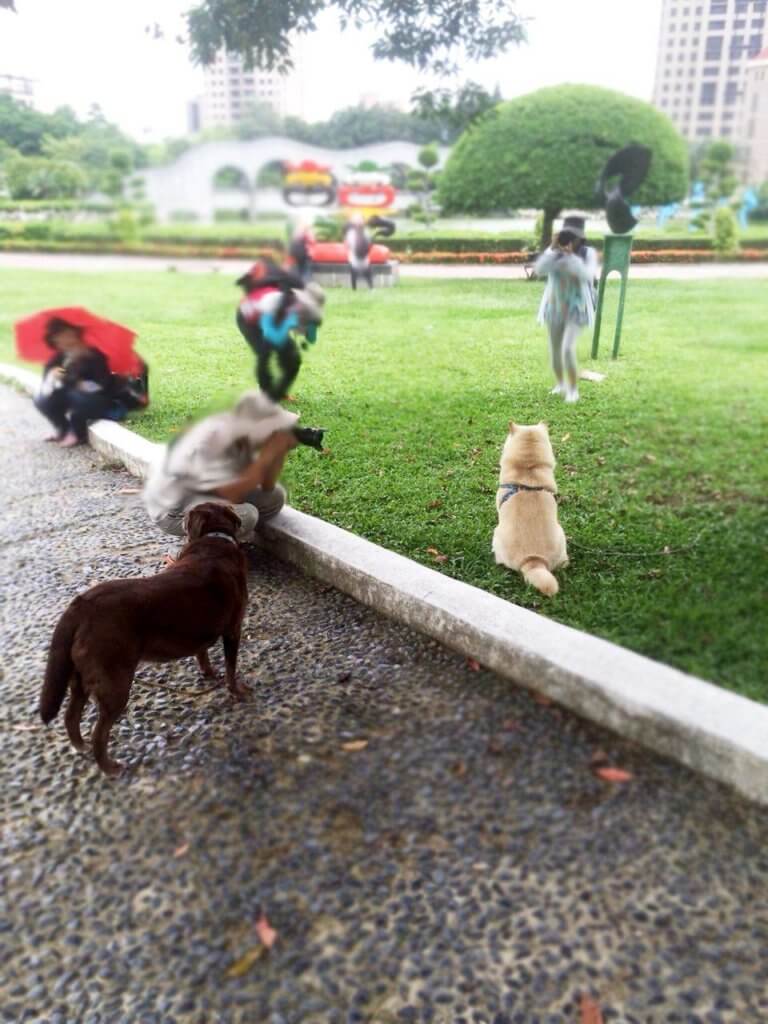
54,206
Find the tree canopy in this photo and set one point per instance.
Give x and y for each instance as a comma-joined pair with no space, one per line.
426,34
451,112
546,151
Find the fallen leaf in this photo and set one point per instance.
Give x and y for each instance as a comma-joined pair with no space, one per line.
246,961
354,745
601,460
129,490
472,665
290,398
540,698
25,728
653,574
626,441
326,451
511,725
613,775
181,850
667,549
590,1010
265,931
564,438
459,769
437,555
435,504
649,458
495,745
599,759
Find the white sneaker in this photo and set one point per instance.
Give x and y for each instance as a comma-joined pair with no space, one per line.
572,395
558,389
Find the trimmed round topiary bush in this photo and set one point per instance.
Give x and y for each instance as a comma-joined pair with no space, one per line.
546,151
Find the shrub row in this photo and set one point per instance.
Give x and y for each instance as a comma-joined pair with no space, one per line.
253,251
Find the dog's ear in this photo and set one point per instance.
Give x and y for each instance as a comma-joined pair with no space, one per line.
544,424
512,426
194,521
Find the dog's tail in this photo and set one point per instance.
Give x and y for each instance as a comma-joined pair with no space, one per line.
60,666
536,573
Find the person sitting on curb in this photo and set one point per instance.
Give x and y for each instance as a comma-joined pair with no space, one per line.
76,385
233,457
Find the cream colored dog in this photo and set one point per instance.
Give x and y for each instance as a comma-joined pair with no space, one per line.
529,537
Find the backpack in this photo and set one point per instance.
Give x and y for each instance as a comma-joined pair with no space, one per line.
129,392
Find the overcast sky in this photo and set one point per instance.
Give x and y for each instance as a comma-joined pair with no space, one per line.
85,51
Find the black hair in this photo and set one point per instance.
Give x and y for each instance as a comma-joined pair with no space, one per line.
55,325
566,237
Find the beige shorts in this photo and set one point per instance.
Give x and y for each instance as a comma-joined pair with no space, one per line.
258,507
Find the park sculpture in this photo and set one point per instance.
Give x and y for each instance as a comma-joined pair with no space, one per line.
622,175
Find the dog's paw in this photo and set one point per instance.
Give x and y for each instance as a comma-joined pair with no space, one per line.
112,769
239,690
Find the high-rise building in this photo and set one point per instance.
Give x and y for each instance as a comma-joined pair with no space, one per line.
754,130
704,50
230,89
21,88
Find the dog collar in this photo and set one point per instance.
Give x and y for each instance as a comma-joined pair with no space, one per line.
224,536
511,489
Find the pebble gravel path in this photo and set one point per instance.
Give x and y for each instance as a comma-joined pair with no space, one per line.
430,843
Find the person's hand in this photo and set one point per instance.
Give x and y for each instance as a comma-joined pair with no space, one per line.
58,372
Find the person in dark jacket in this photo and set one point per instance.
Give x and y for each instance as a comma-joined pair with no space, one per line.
76,385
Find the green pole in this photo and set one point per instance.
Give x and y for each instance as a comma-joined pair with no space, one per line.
616,256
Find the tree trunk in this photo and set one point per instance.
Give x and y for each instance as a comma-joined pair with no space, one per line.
546,226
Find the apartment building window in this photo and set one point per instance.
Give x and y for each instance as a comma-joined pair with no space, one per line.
734,70
708,93
708,116
760,7
740,23
741,6
728,115
718,7
714,50
703,132
725,130
711,72
716,26
758,22
731,93
737,45
755,44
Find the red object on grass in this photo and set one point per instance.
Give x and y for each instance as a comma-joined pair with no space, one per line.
336,252
114,340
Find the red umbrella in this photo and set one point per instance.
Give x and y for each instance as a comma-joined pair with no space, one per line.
115,341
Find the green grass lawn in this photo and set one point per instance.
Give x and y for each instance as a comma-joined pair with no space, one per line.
416,386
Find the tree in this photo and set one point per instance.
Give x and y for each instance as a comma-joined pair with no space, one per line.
452,112
546,150
427,34
34,177
258,121
716,170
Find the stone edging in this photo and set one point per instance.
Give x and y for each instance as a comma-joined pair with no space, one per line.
712,731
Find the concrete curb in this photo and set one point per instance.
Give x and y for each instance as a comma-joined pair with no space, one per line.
712,731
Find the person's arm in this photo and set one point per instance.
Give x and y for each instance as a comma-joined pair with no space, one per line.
546,261
263,472
93,367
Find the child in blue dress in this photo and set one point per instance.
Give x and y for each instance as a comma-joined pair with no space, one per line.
568,305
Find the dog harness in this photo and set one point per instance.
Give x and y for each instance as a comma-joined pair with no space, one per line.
225,536
511,489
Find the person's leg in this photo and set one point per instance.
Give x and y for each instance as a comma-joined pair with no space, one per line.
83,407
289,361
53,407
368,273
266,502
556,331
570,338
353,277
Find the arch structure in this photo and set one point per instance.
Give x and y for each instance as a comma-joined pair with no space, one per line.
189,184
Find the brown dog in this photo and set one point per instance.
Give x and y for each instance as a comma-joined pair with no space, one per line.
105,632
